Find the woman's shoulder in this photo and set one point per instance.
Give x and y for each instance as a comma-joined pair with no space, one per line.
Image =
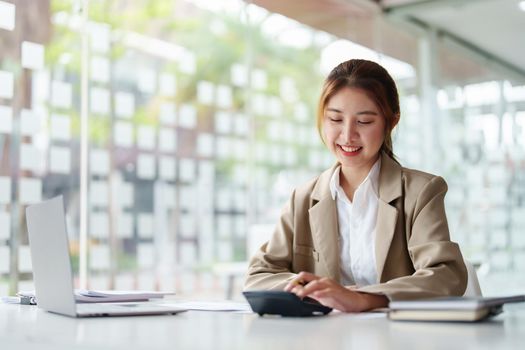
394,174
417,180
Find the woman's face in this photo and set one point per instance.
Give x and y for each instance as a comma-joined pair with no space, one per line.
354,128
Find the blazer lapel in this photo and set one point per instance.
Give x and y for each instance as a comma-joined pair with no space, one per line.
323,223
387,214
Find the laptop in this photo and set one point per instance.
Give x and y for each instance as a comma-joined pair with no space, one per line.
52,274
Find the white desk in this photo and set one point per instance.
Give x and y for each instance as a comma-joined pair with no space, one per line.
26,327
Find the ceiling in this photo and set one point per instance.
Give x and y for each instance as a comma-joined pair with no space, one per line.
478,39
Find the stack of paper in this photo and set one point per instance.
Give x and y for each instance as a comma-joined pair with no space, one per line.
449,308
101,296
105,296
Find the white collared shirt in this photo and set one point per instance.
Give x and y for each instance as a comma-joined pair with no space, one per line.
357,228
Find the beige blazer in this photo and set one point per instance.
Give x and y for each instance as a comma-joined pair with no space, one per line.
414,255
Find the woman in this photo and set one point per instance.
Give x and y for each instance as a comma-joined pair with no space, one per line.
367,230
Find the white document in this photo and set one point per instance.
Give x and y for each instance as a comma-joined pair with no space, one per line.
213,306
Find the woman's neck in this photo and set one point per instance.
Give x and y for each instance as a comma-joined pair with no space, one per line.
351,177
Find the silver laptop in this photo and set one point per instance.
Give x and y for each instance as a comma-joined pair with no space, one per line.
52,272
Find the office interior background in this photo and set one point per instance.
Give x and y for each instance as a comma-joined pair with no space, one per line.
176,129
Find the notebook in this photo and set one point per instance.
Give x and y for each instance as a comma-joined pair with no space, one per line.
466,309
52,274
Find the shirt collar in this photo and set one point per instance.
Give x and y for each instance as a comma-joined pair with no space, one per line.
373,177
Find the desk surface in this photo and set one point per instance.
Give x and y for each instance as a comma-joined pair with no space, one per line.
27,327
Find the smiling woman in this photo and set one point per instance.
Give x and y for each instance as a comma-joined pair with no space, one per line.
376,231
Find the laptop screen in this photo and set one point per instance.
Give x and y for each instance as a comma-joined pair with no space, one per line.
52,275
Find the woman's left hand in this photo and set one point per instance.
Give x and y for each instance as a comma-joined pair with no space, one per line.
330,293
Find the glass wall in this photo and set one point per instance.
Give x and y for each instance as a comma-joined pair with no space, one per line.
485,168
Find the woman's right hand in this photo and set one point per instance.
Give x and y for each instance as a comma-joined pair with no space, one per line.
330,293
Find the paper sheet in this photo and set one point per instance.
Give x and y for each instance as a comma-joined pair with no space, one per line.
213,306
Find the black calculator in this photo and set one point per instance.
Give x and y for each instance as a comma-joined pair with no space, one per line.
269,302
